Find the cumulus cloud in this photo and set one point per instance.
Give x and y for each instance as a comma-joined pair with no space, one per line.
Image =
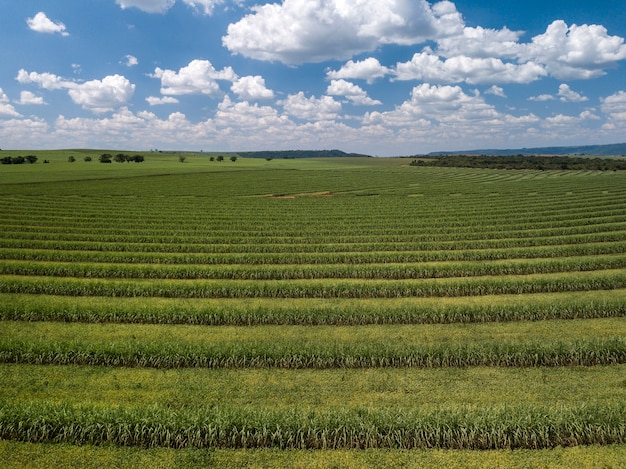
313,109
161,6
42,24
155,101
615,107
427,66
445,105
496,91
481,42
129,61
570,96
7,109
369,69
299,31
27,97
45,80
251,88
575,52
199,77
98,96
542,97
477,55
149,6
103,95
354,93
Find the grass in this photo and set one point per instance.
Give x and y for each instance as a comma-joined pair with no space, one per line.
323,390
364,304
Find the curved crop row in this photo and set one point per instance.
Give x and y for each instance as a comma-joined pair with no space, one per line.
491,428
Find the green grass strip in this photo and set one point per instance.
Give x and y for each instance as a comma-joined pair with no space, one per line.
489,428
321,390
325,288
295,311
326,271
21,455
549,343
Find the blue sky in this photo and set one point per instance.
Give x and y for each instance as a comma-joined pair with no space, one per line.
382,77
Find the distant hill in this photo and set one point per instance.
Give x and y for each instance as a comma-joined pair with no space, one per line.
616,149
292,154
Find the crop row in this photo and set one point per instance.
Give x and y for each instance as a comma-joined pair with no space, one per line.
382,226
544,343
590,352
492,428
320,238
227,247
597,304
325,288
317,271
284,258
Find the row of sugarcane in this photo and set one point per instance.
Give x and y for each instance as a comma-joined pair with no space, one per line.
314,354
314,271
317,288
408,236
226,247
222,427
584,305
292,258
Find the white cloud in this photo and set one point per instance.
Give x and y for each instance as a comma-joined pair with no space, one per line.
129,61
615,107
149,6
199,77
299,31
155,101
161,6
206,5
481,42
496,91
27,97
427,66
7,109
354,93
313,109
45,80
42,24
369,69
251,88
569,96
575,52
243,118
542,97
104,95
449,107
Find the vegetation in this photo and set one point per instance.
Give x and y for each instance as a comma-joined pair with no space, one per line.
522,162
294,311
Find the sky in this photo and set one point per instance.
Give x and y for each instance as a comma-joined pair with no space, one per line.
380,77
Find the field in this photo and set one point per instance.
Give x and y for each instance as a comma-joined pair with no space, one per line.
348,312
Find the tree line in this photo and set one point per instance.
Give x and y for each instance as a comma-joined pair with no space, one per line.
522,162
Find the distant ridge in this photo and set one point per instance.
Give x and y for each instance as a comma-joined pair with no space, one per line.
616,149
292,154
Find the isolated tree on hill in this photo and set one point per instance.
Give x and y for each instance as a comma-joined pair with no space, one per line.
31,159
233,158
105,158
71,159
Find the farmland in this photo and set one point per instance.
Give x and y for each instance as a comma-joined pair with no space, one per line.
354,312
